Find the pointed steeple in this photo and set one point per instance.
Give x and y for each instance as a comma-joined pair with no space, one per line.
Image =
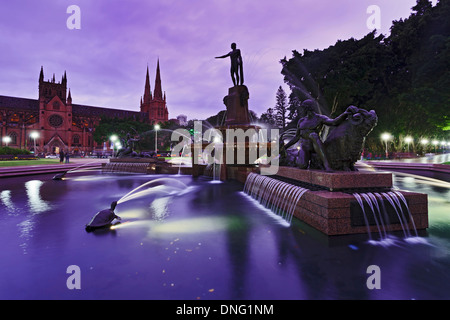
147,90
69,98
158,91
41,75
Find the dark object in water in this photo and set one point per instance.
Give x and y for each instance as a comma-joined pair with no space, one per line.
59,176
103,218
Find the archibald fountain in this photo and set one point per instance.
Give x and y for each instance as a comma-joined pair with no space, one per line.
317,180
312,176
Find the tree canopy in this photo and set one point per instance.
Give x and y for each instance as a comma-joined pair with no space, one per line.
404,77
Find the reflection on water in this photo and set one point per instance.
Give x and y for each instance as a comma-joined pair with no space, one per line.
25,211
191,239
413,181
35,202
5,197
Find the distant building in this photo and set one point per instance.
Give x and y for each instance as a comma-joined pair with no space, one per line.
154,106
182,120
62,125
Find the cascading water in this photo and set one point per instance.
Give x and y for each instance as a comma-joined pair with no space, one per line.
128,167
379,213
278,196
360,201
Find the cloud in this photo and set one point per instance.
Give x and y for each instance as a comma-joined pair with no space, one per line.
106,60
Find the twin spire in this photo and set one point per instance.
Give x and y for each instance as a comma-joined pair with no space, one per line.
157,93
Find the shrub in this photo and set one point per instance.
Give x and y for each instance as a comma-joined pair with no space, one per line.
12,151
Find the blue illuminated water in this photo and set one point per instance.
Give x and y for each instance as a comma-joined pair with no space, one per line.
185,238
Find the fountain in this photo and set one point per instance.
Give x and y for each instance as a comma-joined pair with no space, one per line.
334,192
172,243
239,138
262,188
342,200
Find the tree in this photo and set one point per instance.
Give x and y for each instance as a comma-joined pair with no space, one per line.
109,126
217,120
268,117
120,127
404,77
281,108
422,6
293,105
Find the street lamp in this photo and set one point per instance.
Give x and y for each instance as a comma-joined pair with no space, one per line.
435,143
7,139
34,135
113,139
443,146
157,127
385,137
408,140
424,142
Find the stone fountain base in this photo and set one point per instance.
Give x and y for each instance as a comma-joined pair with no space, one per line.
331,208
143,165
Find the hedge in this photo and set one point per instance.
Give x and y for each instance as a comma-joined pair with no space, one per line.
13,151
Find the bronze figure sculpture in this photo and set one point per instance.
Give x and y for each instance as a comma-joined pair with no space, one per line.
339,150
237,73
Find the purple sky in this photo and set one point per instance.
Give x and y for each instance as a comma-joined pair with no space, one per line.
106,59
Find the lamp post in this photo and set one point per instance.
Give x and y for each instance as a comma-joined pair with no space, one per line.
408,140
435,143
157,127
118,145
385,137
6,139
443,145
34,135
424,142
113,139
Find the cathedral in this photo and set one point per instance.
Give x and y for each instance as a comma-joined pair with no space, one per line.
61,125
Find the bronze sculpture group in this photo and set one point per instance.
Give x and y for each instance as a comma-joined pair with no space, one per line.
341,147
337,151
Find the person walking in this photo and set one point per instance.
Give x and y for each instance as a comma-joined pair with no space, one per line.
67,157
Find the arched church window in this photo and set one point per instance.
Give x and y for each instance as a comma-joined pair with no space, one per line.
13,137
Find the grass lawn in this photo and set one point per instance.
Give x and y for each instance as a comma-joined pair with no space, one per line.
447,163
15,163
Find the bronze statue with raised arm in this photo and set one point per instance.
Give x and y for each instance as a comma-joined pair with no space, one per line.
237,73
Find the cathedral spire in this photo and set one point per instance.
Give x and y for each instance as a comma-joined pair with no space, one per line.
147,90
158,91
41,75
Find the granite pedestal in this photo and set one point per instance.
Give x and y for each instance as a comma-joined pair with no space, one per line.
331,208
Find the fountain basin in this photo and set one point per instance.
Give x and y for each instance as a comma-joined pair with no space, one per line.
338,212
340,180
143,165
